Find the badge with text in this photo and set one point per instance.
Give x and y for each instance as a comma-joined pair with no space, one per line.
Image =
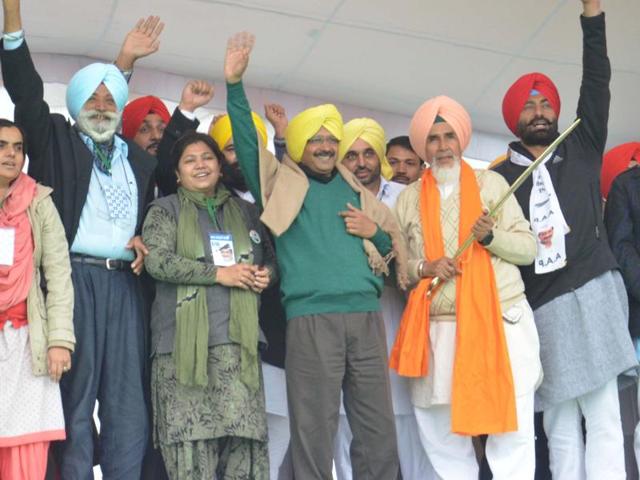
222,249
7,245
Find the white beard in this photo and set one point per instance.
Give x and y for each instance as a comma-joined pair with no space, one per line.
100,131
448,175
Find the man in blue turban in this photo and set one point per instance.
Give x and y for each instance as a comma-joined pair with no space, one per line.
102,185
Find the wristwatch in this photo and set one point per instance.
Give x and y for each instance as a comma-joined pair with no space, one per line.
486,241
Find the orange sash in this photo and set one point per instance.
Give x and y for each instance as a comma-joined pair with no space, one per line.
482,396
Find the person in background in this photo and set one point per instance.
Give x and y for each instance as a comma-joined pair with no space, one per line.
362,152
620,183
406,165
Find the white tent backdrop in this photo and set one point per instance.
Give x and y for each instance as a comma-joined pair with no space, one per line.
56,70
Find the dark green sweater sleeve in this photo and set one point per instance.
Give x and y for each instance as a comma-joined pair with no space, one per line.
245,139
382,241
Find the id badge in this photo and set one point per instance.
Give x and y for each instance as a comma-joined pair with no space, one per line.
222,249
7,245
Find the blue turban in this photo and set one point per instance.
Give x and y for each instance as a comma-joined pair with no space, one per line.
87,79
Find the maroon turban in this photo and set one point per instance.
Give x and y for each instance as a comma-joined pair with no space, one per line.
615,162
135,112
519,93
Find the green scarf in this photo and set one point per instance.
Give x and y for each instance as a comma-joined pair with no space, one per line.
192,318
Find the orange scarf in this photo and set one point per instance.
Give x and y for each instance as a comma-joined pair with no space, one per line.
482,397
15,280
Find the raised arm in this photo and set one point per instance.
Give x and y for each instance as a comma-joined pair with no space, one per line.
245,138
595,97
25,89
277,117
12,19
140,42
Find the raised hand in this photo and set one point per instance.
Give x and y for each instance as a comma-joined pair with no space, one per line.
140,42
196,93
236,59
277,117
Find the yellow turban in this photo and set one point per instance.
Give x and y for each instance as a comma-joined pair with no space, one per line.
221,130
371,132
497,161
307,123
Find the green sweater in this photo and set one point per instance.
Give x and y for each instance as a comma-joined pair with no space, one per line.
323,269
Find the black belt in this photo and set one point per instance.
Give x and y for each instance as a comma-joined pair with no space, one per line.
107,263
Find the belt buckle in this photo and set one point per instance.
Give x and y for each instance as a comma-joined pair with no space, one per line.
109,265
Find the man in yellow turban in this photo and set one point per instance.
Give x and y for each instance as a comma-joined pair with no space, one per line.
332,237
362,151
220,131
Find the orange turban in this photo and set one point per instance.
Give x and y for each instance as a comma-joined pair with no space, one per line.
424,118
615,162
519,93
135,112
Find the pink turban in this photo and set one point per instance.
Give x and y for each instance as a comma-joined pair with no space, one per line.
615,162
519,93
424,118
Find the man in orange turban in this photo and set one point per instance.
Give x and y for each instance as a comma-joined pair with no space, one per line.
574,285
471,348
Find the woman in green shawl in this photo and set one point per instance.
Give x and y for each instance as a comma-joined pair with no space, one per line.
211,258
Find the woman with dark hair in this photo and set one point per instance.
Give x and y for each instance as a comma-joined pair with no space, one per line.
36,331
210,258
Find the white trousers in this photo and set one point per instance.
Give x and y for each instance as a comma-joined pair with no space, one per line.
278,430
603,457
511,456
414,463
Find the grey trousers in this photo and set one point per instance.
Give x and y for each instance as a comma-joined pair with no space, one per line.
327,353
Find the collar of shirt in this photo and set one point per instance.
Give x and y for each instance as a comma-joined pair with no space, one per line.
384,187
120,147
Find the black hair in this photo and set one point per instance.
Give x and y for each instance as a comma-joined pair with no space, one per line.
401,141
190,138
6,123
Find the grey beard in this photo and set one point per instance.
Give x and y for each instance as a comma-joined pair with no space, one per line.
100,131
446,175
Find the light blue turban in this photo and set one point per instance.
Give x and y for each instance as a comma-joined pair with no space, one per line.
87,79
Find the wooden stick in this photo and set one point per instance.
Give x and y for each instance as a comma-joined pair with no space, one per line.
436,281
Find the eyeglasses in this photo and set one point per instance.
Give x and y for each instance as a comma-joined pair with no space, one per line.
319,140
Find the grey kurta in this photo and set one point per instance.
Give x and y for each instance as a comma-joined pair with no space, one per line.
584,341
